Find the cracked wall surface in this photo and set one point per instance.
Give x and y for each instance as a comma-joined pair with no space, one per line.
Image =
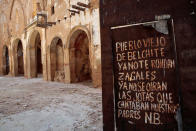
18,23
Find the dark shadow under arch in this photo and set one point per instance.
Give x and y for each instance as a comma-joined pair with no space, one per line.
6,64
18,58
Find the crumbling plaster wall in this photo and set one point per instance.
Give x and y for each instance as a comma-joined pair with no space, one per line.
17,22
19,15
90,20
60,30
3,30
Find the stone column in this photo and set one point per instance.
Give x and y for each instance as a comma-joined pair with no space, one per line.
44,55
67,66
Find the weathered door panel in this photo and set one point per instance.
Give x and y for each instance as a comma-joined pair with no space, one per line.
145,77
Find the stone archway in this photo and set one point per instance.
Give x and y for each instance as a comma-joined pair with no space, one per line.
80,69
35,55
18,58
57,60
6,65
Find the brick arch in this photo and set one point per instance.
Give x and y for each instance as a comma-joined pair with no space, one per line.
55,36
31,38
79,44
77,28
18,57
56,61
34,55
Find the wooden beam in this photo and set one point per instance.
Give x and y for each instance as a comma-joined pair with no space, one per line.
78,8
83,5
74,11
51,23
72,14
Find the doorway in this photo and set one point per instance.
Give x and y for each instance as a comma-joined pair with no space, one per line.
79,57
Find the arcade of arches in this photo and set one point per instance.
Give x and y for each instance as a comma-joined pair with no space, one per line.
71,62
39,38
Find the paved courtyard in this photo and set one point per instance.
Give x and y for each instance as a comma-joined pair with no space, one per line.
37,105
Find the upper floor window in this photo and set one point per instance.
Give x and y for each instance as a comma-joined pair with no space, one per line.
52,10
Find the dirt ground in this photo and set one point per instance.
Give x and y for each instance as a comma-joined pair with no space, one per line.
37,105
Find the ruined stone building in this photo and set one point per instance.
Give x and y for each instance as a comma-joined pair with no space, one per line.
58,40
